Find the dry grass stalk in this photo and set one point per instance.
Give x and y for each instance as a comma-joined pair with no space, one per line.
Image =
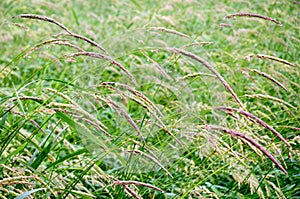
70,33
253,142
212,69
120,109
243,14
256,119
152,159
271,98
269,77
162,29
262,56
107,58
119,182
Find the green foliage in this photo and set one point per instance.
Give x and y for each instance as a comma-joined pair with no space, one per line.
143,99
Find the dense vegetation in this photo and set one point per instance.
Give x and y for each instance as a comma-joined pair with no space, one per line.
144,99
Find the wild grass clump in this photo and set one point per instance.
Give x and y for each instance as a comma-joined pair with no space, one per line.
149,100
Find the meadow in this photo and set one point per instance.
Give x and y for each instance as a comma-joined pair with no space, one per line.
149,99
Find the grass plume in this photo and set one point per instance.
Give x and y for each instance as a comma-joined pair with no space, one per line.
44,18
262,56
162,29
252,141
107,58
244,14
212,69
270,78
256,119
70,33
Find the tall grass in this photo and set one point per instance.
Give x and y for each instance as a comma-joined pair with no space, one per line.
130,102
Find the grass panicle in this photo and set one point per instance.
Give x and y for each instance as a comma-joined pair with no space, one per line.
244,14
252,141
138,152
77,108
256,119
275,99
197,44
136,93
81,37
222,25
270,78
262,56
196,75
44,18
212,69
65,43
50,20
121,110
144,102
107,58
131,192
37,99
159,68
162,29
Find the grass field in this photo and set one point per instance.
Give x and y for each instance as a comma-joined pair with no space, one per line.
149,99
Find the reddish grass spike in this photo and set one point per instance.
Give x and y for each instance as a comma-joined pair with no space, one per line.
151,158
252,118
212,69
222,25
252,141
44,18
117,107
107,58
262,56
269,77
70,33
131,192
89,41
243,14
65,43
162,29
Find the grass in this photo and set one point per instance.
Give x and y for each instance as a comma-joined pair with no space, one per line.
143,99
